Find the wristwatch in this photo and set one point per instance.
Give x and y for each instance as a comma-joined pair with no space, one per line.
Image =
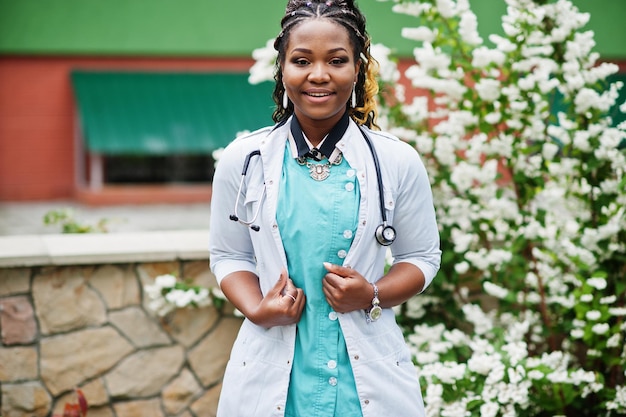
375,311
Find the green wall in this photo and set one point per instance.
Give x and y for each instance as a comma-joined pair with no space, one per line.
222,28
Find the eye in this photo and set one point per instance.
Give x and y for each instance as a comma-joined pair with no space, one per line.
338,61
300,61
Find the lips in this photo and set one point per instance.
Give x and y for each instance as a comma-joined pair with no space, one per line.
318,94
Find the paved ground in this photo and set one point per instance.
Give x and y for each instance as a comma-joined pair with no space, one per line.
27,218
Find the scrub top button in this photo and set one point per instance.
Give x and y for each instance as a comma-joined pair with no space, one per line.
342,254
332,381
350,173
332,364
332,315
349,186
347,234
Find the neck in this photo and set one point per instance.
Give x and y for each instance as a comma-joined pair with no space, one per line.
316,130
335,134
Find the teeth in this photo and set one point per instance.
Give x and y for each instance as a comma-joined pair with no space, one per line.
318,94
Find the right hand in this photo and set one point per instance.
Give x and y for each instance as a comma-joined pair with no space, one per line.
281,306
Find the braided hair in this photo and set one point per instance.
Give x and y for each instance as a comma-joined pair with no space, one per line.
347,14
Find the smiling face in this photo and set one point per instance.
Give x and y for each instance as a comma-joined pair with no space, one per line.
319,71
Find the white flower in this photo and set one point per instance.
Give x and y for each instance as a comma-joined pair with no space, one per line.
482,363
165,281
388,70
461,268
421,33
264,66
608,300
549,150
468,29
614,341
446,8
600,328
597,283
593,315
489,409
495,290
488,89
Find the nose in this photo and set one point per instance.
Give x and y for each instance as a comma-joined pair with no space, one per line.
319,73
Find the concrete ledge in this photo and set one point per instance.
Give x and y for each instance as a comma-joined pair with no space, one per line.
82,249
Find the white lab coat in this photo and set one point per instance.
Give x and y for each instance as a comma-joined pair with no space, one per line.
257,375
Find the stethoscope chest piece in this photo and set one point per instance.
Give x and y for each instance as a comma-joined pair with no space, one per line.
385,234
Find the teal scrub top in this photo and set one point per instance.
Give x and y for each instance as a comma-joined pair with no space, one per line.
317,221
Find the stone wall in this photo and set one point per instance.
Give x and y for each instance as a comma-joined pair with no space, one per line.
80,324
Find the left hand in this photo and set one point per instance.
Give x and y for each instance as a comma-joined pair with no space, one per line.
345,289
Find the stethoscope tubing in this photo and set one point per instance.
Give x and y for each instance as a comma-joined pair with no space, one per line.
380,231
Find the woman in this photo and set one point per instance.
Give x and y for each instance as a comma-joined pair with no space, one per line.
308,273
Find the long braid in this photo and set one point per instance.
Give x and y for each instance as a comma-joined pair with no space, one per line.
347,14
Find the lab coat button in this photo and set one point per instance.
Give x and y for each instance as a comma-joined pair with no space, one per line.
332,381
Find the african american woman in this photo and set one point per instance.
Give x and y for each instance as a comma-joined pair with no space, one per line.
302,216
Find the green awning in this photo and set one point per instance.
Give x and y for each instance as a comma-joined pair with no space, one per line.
157,113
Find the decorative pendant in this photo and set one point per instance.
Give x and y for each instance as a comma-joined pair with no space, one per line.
319,172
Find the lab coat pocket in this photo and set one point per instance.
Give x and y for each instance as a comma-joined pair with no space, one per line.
255,193
260,362
390,203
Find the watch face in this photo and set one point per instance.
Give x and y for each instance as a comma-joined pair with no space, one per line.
375,313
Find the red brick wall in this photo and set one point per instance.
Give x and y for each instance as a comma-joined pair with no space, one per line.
37,118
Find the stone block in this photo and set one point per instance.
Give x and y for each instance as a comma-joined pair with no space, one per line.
25,399
199,273
206,405
139,328
144,373
17,321
208,359
101,412
18,363
179,393
71,359
14,281
118,285
147,272
188,325
95,395
141,408
64,301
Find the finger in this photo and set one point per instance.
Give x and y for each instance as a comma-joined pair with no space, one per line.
342,271
290,287
281,283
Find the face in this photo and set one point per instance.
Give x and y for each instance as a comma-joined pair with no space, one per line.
319,70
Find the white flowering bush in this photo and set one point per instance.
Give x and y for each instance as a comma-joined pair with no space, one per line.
528,178
527,316
167,294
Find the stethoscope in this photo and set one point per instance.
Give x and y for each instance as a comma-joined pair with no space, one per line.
385,233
